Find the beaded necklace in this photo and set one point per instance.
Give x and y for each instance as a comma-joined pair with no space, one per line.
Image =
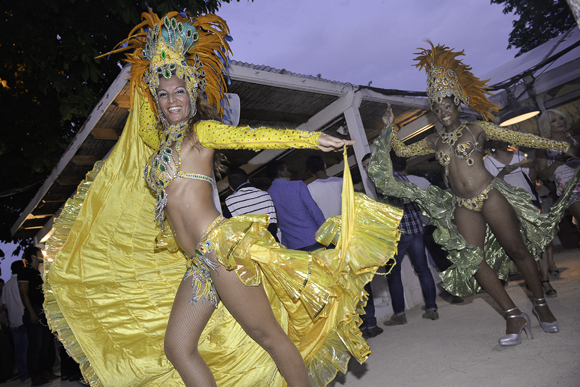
451,137
163,166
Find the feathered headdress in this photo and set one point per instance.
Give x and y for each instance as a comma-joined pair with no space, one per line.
194,49
447,76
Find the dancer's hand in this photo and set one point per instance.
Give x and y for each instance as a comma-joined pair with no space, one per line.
560,160
388,117
573,151
507,170
329,143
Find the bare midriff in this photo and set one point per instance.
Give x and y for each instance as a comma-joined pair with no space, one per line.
190,203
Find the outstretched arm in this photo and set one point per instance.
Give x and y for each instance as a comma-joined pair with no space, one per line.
215,135
402,150
494,132
416,149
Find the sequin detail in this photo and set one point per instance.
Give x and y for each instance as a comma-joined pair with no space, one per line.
199,266
474,203
494,132
195,176
166,50
163,166
416,149
215,135
462,151
442,83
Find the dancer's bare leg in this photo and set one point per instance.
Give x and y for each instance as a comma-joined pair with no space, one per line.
544,265
550,253
502,219
575,210
471,225
186,323
250,307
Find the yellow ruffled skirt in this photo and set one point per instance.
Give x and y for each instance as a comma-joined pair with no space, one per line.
109,292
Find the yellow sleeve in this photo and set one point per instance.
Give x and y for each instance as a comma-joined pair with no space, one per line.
494,132
416,149
148,126
215,135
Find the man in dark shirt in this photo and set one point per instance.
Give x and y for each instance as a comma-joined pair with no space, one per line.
299,217
39,336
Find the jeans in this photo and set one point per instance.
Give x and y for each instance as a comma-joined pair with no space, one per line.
20,341
369,319
413,244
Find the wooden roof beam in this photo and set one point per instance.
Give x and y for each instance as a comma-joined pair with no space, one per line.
68,180
73,147
105,134
84,160
123,101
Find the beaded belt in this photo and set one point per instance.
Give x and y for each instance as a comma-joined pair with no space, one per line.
475,203
199,266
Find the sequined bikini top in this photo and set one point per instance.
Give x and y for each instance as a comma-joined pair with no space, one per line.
164,167
462,151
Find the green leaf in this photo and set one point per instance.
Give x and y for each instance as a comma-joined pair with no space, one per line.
86,73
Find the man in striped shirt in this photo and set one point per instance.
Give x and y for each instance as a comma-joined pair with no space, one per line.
248,199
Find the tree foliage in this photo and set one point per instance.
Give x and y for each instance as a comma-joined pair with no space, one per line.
539,21
50,81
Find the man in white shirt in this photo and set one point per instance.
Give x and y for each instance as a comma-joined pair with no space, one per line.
326,191
12,302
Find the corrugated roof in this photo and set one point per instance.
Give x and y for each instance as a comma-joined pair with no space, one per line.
527,61
286,72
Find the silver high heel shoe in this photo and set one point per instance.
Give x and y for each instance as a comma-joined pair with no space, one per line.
552,327
516,338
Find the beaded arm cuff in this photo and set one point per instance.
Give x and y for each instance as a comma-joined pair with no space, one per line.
416,149
494,132
215,135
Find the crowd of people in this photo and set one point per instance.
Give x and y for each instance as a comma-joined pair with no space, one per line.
276,286
28,346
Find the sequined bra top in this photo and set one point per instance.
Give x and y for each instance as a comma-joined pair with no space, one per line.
164,166
462,151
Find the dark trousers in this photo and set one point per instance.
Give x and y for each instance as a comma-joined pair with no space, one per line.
369,319
435,250
68,366
20,341
6,355
39,344
413,244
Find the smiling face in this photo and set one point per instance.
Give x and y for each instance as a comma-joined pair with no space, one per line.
173,99
446,112
557,123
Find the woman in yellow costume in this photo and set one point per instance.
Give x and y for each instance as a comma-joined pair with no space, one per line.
285,317
479,224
